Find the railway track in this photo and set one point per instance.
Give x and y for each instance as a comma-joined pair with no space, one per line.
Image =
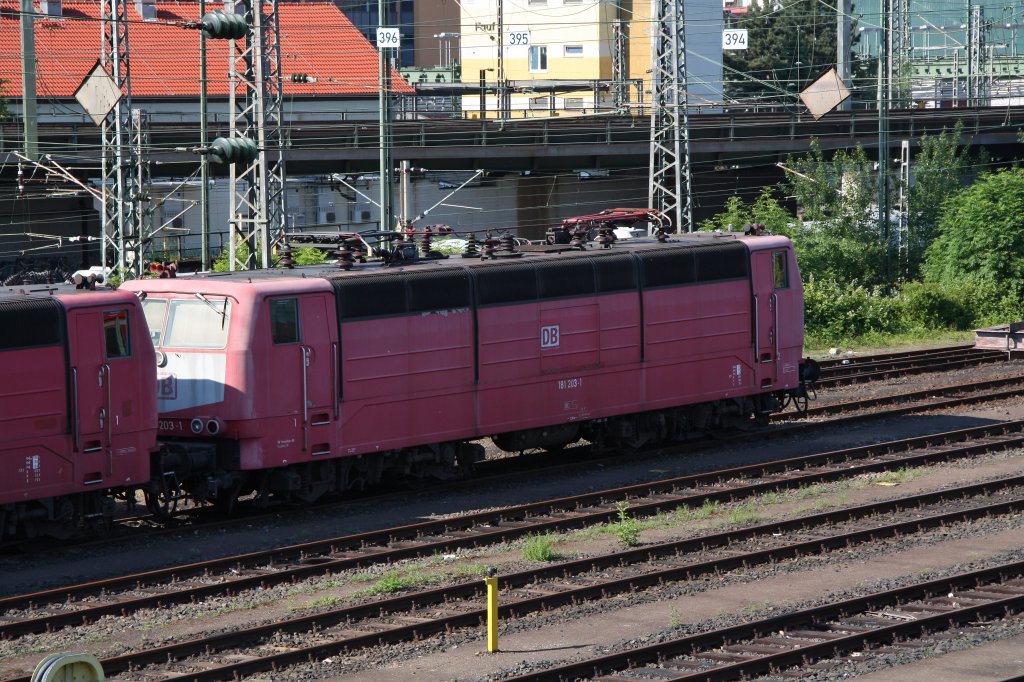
86,603
793,643
420,614
889,365
784,424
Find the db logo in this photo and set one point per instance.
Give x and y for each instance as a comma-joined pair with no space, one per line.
549,336
167,388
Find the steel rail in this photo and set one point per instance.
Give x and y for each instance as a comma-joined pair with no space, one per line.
257,569
892,356
971,587
538,598
876,371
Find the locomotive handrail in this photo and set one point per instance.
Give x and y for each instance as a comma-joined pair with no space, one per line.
335,379
306,352
76,426
774,301
757,331
105,377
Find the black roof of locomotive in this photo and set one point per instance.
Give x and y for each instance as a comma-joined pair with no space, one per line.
559,253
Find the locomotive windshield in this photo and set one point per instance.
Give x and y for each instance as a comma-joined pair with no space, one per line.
201,322
155,310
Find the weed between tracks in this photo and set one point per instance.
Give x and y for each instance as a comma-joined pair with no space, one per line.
538,548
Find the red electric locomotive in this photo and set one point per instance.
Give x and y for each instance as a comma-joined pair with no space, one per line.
295,383
77,406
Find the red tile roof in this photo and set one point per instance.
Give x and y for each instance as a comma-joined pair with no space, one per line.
317,39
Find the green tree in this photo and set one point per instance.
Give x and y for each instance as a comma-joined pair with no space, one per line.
840,239
765,209
981,235
939,171
789,45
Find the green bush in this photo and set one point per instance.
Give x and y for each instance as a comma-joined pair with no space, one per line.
538,548
931,306
835,312
308,255
627,529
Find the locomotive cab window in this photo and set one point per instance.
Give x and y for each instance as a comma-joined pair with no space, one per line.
202,323
155,310
115,332
284,320
780,270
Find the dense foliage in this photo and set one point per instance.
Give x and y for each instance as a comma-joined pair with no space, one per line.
963,267
836,312
981,235
939,172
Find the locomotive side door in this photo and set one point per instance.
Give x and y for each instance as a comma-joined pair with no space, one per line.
766,315
102,388
304,357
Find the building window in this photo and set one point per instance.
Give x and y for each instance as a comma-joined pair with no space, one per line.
538,2
540,102
573,51
573,102
572,2
538,58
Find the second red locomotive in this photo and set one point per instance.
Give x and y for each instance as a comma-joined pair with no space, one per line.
78,420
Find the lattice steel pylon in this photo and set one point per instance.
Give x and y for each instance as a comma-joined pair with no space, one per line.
977,59
669,188
257,188
900,49
121,223
620,87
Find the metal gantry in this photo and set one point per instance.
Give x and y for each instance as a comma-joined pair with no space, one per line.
670,189
121,214
257,188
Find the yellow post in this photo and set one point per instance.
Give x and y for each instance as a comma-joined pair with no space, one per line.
492,609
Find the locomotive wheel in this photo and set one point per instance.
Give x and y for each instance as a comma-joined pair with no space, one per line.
162,497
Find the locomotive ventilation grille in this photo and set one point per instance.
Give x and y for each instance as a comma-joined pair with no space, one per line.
30,323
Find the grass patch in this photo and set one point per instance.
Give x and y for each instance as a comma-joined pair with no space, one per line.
897,477
876,342
396,582
324,602
754,607
744,514
538,548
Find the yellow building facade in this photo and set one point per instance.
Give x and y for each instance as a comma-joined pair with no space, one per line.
555,51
